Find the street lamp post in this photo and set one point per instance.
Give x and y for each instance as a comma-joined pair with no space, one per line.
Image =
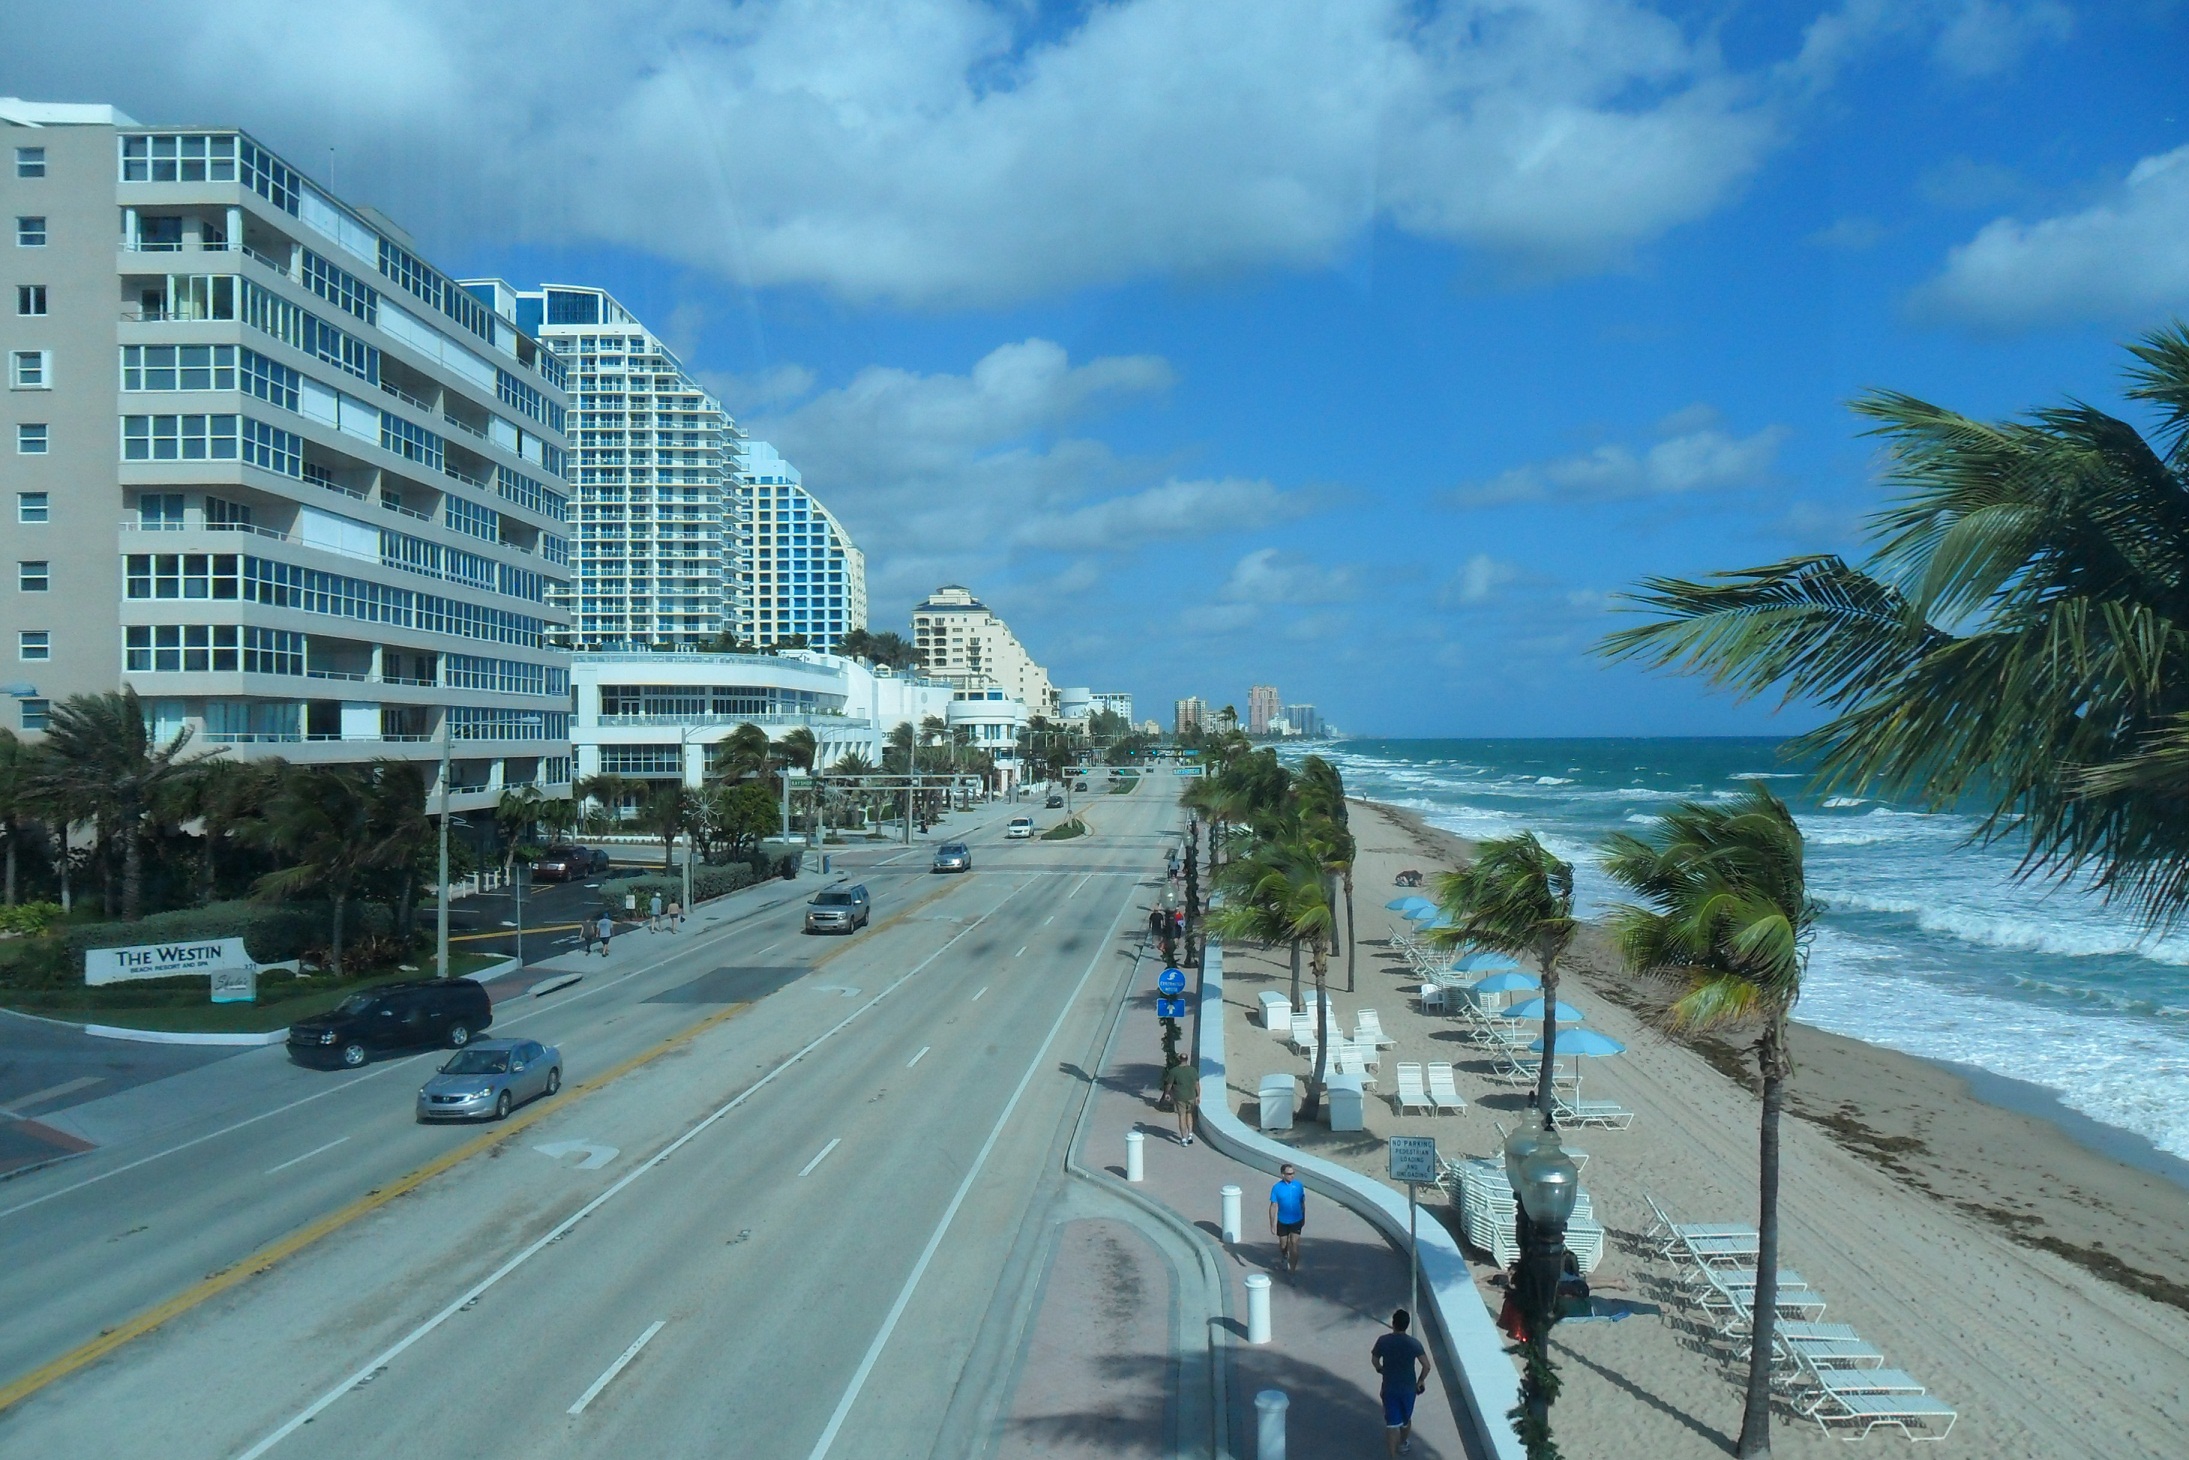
440,935
1545,1186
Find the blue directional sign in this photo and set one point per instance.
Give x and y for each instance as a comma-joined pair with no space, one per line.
1170,1008
1170,981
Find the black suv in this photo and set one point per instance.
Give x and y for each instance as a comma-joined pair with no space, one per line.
393,1016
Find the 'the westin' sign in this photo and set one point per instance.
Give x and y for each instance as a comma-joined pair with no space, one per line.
162,960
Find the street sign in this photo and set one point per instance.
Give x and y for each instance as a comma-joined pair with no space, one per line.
1189,770
1170,1008
1170,981
1414,1158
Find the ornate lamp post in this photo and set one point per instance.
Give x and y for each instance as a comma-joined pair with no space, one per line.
1545,1186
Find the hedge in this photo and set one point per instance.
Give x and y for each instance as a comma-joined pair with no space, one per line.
707,882
271,933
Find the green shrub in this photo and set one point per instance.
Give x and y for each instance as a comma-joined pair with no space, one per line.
271,933
29,917
1065,830
707,882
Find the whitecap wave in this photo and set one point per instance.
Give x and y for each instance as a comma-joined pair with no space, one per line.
2023,930
1554,780
1842,803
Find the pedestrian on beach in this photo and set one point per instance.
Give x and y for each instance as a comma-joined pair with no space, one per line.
1182,1083
676,914
653,914
1404,1364
607,931
1287,1215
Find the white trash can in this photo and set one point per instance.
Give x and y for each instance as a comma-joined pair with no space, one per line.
1346,1103
1277,1102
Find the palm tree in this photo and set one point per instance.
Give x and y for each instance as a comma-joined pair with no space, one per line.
402,837
560,817
2018,638
1727,918
221,796
1322,790
320,819
102,765
668,812
743,752
1515,898
514,813
607,789
893,650
1278,892
18,768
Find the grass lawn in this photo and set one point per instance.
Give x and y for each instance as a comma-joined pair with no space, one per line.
1124,785
1064,831
282,1002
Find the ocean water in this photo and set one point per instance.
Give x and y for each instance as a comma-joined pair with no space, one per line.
1927,944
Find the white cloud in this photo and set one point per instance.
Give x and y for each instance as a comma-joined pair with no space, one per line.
1986,37
1693,454
953,151
2122,258
1172,511
1267,576
1477,581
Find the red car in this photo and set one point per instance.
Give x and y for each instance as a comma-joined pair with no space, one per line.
568,864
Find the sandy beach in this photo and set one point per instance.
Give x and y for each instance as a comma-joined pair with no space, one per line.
2037,1285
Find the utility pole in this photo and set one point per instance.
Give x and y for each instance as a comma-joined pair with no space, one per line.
440,945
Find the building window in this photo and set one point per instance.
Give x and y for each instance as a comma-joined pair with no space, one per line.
30,299
36,713
30,233
197,648
30,438
33,575
181,367
33,507
30,162
180,158
180,575
34,644
31,369
180,438
159,511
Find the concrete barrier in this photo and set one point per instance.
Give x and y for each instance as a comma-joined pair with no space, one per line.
1485,1378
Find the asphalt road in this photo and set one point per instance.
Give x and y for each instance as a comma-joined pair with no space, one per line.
803,1209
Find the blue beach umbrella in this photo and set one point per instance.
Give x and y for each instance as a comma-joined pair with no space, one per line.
1483,962
1533,1009
1505,983
1582,1041
1399,904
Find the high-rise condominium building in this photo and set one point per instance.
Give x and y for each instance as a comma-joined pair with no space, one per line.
1263,706
654,462
961,641
1187,714
1117,702
801,575
1305,721
266,465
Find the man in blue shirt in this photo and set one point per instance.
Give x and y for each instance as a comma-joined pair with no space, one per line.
1396,1356
1287,1215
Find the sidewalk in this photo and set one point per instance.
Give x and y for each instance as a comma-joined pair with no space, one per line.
1323,1321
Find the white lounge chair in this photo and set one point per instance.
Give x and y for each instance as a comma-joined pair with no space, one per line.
1834,1353
1869,1410
1368,1029
1303,1033
1443,1094
1576,1111
1411,1095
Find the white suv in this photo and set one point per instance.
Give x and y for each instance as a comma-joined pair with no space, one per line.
1021,827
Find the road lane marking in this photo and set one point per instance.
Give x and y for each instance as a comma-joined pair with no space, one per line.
942,1228
976,997
297,1160
617,1367
1048,920
387,1356
1020,954
51,1092
908,1064
817,1160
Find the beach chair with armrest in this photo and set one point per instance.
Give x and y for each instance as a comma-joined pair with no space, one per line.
1303,1033
1431,999
1411,1095
1609,1114
1870,1408
1834,1353
1368,1029
1443,1093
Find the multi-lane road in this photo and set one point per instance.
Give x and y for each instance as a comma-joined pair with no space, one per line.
775,1214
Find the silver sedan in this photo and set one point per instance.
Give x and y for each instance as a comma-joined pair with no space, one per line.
491,1077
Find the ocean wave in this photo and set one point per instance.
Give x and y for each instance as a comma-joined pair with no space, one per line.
1842,803
1554,780
1643,818
1766,776
2020,933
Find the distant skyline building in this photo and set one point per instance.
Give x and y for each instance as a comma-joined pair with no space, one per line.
268,467
1189,714
801,574
655,463
1117,702
1263,705
962,641
1304,721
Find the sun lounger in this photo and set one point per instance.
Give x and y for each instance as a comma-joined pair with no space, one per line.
1443,1094
1368,1029
1303,1033
1276,1011
1834,1353
1871,1410
1607,1113
1411,1095
1350,1066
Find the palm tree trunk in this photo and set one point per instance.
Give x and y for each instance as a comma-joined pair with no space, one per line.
1295,975
9,829
1352,950
1313,1103
1755,1437
207,878
334,948
1548,1068
132,870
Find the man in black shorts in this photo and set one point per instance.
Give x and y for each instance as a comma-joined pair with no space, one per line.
1397,1356
1287,1215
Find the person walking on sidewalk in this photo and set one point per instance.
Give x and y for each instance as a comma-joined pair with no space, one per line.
607,931
588,933
1287,1215
1182,1083
1397,1355
653,914
676,914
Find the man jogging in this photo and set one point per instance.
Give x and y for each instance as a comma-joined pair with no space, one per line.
1287,1215
1182,1083
1397,1355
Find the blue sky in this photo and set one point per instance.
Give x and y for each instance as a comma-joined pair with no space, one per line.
1362,349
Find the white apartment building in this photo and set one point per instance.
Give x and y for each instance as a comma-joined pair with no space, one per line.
1117,702
962,642
801,575
654,464
267,466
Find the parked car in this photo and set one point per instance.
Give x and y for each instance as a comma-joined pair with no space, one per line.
568,864
1055,802
1020,828
392,1016
838,910
490,1077
953,857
